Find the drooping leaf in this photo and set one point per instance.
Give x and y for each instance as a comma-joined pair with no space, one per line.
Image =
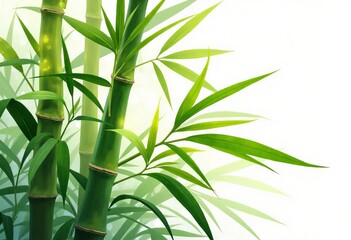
153,133
63,162
162,82
220,95
30,37
18,62
64,230
148,204
42,95
88,94
186,73
68,67
186,199
91,32
7,223
83,76
195,53
5,166
40,156
8,152
167,13
120,210
81,179
168,153
10,190
3,105
91,119
9,53
211,125
186,29
110,29
130,147
222,114
234,145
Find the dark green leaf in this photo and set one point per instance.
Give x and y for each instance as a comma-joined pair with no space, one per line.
63,162
88,93
185,198
162,82
168,153
82,180
30,38
148,204
64,230
83,76
195,53
153,133
40,156
110,29
5,166
120,15
186,73
68,67
10,190
8,152
210,125
18,62
87,118
7,222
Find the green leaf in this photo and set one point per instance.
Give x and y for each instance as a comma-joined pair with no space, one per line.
220,95
43,95
7,222
63,162
235,145
133,139
186,29
148,204
185,175
91,119
9,53
130,147
110,29
168,153
81,179
211,125
119,210
91,32
163,83
88,93
222,114
6,88
79,60
188,160
192,95
30,37
10,190
18,62
8,152
64,230
195,53
153,133
167,13
185,198
3,105
186,73
83,76
120,15
23,118
40,156
5,166
68,67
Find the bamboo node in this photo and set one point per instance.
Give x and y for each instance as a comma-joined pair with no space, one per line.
103,170
93,17
124,80
90,230
49,118
42,197
54,11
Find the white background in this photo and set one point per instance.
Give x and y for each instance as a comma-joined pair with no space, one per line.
307,103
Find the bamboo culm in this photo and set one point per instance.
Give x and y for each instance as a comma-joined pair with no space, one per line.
91,220
42,189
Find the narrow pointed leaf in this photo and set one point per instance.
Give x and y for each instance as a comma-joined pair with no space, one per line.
153,133
42,95
88,93
131,146
148,204
10,190
3,105
222,114
195,53
168,153
120,15
83,76
8,152
6,89
64,230
186,73
110,28
186,29
68,67
185,198
18,62
91,119
30,37
91,32
7,223
82,180
211,125
162,82
40,156
63,162
9,53
5,166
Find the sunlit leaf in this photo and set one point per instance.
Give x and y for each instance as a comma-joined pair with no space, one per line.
153,133
18,62
222,114
9,53
211,125
83,76
30,37
195,53
42,95
163,82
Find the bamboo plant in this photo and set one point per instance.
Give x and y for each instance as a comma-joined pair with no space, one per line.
104,198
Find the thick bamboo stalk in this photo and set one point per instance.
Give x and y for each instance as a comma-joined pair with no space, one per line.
42,189
89,129
91,221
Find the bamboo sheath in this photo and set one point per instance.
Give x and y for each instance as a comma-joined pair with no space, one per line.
42,189
89,129
91,221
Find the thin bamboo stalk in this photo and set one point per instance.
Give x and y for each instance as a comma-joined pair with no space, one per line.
89,129
42,189
91,221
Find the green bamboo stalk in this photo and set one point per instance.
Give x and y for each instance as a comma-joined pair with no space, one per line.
91,221
42,189
89,129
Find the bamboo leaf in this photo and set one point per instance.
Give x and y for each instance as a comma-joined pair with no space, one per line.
30,37
6,88
168,153
5,166
153,133
40,156
9,153
234,145
130,147
188,160
185,198
133,139
23,118
88,93
9,53
192,95
83,76
186,73
110,28
79,60
162,82
195,53
119,210
68,67
148,204
82,180
120,15
7,222
186,29
18,62
64,230
10,190
185,175
222,114
63,162
167,13
91,32
211,125
220,95
91,119
3,105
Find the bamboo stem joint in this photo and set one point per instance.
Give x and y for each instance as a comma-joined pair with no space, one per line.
103,170
90,230
54,11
